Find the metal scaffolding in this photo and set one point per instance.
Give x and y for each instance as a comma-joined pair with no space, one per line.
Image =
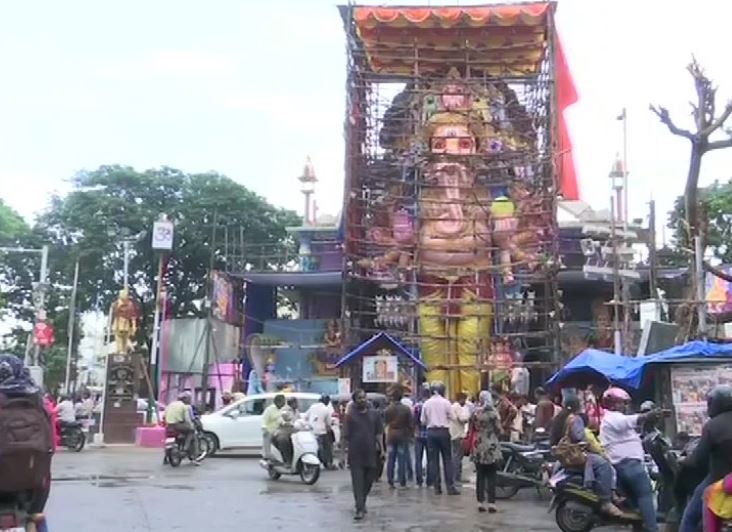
451,240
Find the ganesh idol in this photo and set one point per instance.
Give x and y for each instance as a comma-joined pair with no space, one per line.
454,245
467,237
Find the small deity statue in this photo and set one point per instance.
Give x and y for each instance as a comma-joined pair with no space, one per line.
269,379
333,336
125,316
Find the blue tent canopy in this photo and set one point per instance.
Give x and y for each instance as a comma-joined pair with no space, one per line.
593,365
680,353
376,342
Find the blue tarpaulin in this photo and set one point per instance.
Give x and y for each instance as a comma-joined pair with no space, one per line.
592,365
691,350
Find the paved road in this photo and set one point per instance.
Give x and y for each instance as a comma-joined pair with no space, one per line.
128,489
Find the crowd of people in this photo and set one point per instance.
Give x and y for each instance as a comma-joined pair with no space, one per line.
436,431
610,435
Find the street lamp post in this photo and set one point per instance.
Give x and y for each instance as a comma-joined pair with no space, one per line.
162,243
308,180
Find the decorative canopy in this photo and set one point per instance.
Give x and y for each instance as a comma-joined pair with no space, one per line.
501,39
376,342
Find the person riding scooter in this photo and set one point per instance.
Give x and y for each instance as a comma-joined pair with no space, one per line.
598,473
712,452
620,438
291,423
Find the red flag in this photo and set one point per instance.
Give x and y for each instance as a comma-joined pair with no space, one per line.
566,96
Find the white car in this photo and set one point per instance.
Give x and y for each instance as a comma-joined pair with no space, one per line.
239,425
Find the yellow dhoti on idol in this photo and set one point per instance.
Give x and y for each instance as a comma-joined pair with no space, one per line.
455,324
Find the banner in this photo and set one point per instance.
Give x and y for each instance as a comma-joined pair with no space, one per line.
690,386
380,369
718,293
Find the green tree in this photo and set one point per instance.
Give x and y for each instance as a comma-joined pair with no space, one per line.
16,269
115,202
715,207
12,225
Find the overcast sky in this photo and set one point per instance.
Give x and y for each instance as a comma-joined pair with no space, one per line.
251,88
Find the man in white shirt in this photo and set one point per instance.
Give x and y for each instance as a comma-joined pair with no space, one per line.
458,425
620,437
66,410
436,416
320,418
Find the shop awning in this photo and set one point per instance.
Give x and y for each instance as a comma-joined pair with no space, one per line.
376,342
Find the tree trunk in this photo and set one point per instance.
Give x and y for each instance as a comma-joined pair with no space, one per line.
690,194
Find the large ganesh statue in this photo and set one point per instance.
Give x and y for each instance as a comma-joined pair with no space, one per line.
462,217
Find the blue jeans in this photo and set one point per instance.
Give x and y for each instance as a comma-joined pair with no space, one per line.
439,445
398,451
420,451
633,477
410,461
694,512
601,476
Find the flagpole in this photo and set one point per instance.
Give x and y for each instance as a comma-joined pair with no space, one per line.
625,169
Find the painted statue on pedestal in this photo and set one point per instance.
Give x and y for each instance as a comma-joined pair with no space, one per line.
125,316
469,224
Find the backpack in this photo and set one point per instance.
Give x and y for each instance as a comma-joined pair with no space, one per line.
26,443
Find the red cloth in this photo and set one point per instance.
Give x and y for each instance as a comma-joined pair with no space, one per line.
566,96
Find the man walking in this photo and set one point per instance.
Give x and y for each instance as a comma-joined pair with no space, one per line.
461,416
363,431
399,430
271,421
420,441
437,416
319,417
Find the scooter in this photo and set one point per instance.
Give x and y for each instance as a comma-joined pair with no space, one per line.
577,509
305,460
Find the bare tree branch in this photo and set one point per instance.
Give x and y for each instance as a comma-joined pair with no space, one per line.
719,122
717,272
719,144
663,115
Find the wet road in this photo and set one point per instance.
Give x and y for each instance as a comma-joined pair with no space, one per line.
128,489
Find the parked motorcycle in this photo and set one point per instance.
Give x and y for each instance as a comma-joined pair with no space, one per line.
73,436
524,466
305,462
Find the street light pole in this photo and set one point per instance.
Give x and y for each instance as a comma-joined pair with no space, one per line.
126,268
70,332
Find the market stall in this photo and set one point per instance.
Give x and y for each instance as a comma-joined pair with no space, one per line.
677,378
